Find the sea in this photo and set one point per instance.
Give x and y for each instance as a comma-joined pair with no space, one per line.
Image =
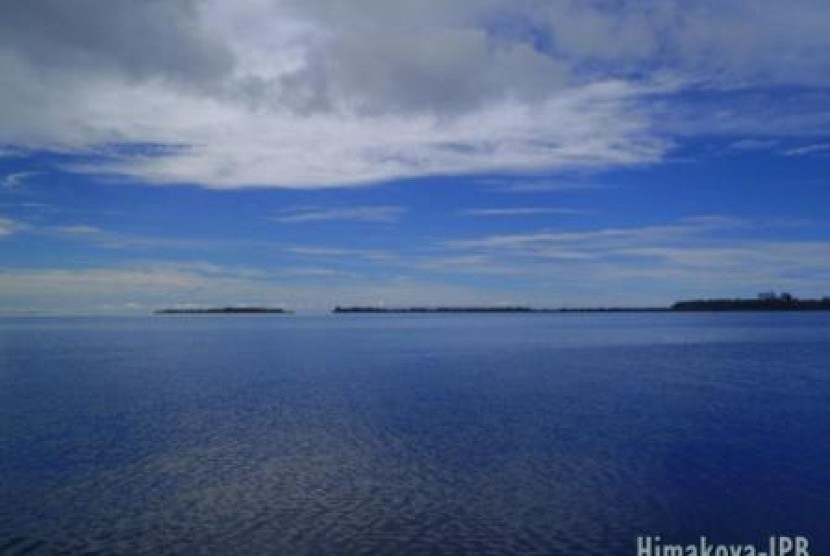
546,434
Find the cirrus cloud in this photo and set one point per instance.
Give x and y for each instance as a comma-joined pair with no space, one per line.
349,214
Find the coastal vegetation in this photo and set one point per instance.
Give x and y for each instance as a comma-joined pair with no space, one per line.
764,302
222,311
768,301
496,309
493,309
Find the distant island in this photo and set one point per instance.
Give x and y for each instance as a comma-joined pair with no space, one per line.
223,311
367,309
494,309
768,301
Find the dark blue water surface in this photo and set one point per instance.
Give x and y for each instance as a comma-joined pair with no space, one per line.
418,434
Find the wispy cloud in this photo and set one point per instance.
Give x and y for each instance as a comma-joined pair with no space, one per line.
316,272
752,144
153,285
353,214
6,152
552,242
785,257
815,149
115,240
126,288
16,179
476,264
521,211
86,233
9,226
540,186
30,206
698,254
325,252
78,231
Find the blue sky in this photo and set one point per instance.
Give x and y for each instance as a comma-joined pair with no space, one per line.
315,153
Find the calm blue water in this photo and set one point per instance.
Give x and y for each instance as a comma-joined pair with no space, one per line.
390,434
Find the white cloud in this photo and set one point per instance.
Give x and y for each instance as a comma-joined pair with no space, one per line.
80,230
96,281
476,264
96,289
338,252
316,272
352,214
531,185
818,148
151,286
317,93
8,153
703,256
752,144
16,179
708,256
9,226
582,244
229,146
784,257
520,211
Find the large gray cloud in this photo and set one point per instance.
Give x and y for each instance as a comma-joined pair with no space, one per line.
426,54
326,92
139,38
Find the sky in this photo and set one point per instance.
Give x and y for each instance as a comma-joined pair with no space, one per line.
309,153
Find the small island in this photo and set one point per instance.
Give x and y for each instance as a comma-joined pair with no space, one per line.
767,301
493,309
224,311
369,309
